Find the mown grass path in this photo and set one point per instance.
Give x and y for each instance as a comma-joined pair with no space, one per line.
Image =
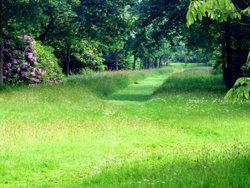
140,91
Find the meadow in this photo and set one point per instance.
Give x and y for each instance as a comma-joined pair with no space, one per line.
169,127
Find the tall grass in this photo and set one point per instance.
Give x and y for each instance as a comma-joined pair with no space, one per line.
104,84
71,135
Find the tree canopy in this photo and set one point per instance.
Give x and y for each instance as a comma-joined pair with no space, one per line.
122,34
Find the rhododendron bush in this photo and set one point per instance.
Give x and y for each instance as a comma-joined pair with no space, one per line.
24,65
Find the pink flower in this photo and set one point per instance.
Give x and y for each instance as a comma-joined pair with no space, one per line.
43,72
6,72
33,74
25,65
5,49
29,55
35,80
24,74
26,38
8,42
16,61
9,65
27,48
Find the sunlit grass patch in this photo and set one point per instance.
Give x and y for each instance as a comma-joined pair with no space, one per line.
198,80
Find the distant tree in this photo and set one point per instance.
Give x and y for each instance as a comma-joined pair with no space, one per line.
108,22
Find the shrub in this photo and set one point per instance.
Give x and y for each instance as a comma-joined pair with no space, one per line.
47,59
23,64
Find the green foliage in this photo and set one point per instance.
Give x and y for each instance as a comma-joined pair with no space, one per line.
47,59
220,11
89,54
246,11
241,90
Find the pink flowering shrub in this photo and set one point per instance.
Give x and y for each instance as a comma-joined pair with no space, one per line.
46,58
23,66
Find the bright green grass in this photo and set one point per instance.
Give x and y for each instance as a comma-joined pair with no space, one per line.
95,132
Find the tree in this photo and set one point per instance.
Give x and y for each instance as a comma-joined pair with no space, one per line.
234,19
107,22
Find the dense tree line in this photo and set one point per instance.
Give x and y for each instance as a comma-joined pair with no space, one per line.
131,34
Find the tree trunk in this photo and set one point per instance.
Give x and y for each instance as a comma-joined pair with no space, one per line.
160,62
227,57
1,63
134,63
67,70
148,63
144,63
233,57
156,63
1,46
116,62
46,30
1,53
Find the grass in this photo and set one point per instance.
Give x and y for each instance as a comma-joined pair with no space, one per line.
94,131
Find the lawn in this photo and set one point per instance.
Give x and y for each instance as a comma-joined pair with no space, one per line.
162,128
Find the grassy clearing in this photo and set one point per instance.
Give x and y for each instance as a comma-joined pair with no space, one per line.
73,135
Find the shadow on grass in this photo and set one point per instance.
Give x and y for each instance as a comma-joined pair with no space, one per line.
129,97
140,92
228,170
136,93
